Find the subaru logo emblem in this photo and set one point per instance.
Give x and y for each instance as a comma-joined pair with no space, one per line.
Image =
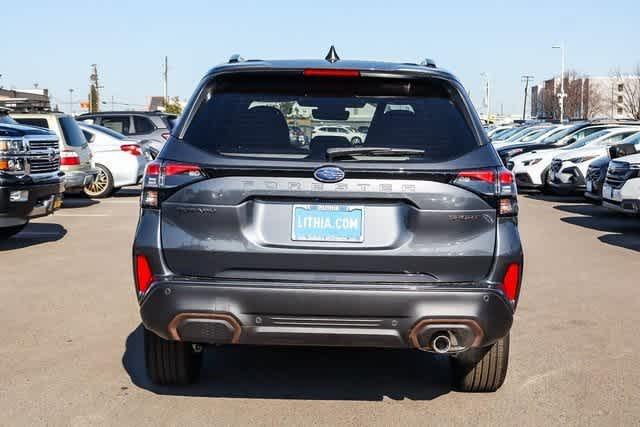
329,174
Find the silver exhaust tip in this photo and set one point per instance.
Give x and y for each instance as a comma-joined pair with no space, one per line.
441,343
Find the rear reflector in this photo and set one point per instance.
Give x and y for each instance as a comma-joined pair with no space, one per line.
144,277
511,282
329,72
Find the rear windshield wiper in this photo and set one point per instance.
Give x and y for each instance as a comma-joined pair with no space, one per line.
346,152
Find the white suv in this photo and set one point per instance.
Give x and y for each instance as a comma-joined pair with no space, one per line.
621,189
352,135
569,167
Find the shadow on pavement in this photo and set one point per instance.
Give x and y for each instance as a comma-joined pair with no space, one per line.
553,197
623,231
74,201
34,234
303,373
127,192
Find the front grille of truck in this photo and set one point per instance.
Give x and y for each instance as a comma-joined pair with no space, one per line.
618,173
44,164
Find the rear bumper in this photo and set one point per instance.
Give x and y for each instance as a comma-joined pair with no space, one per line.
75,181
323,315
42,200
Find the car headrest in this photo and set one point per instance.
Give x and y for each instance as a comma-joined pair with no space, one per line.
261,126
319,144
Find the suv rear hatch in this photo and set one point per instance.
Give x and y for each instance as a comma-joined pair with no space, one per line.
416,202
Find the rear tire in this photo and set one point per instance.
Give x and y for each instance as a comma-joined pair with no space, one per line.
482,370
356,140
170,362
7,232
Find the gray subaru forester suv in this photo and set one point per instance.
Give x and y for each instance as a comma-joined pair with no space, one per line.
407,240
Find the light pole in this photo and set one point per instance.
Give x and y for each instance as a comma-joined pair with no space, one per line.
526,79
561,95
71,101
487,95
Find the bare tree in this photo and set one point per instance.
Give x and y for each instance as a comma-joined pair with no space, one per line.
595,103
630,85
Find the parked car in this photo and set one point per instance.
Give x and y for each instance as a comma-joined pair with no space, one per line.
597,171
569,167
120,161
31,184
75,156
347,132
154,126
621,190
243,238
535,137
560,139
531,169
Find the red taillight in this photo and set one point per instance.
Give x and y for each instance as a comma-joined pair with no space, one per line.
488,176
328,72
511,282
133,149
506,177
172,169
143,273
165,135
152,169
69,158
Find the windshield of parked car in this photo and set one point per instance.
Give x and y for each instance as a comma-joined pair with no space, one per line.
73,136
533,135
240,120
559,135
506,134
110,132
587,140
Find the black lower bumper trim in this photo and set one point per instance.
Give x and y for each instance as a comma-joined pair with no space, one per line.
39,202
271,315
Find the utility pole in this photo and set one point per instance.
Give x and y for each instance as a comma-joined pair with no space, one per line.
94,90
165,72
561,95
526,79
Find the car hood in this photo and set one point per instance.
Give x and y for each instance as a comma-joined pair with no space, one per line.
11,130
633,158
537,154
581,152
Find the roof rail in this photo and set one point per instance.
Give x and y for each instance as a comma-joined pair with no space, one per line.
235,59
428,63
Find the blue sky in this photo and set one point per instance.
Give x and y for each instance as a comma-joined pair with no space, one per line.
54,43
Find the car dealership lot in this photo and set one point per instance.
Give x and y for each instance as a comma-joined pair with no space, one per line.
72,353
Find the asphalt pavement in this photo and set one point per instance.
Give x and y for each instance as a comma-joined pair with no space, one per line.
71,346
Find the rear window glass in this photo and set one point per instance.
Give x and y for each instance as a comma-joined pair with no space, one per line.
302,118
73,136
33,122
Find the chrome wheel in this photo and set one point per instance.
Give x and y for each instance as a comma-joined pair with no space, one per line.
102,186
